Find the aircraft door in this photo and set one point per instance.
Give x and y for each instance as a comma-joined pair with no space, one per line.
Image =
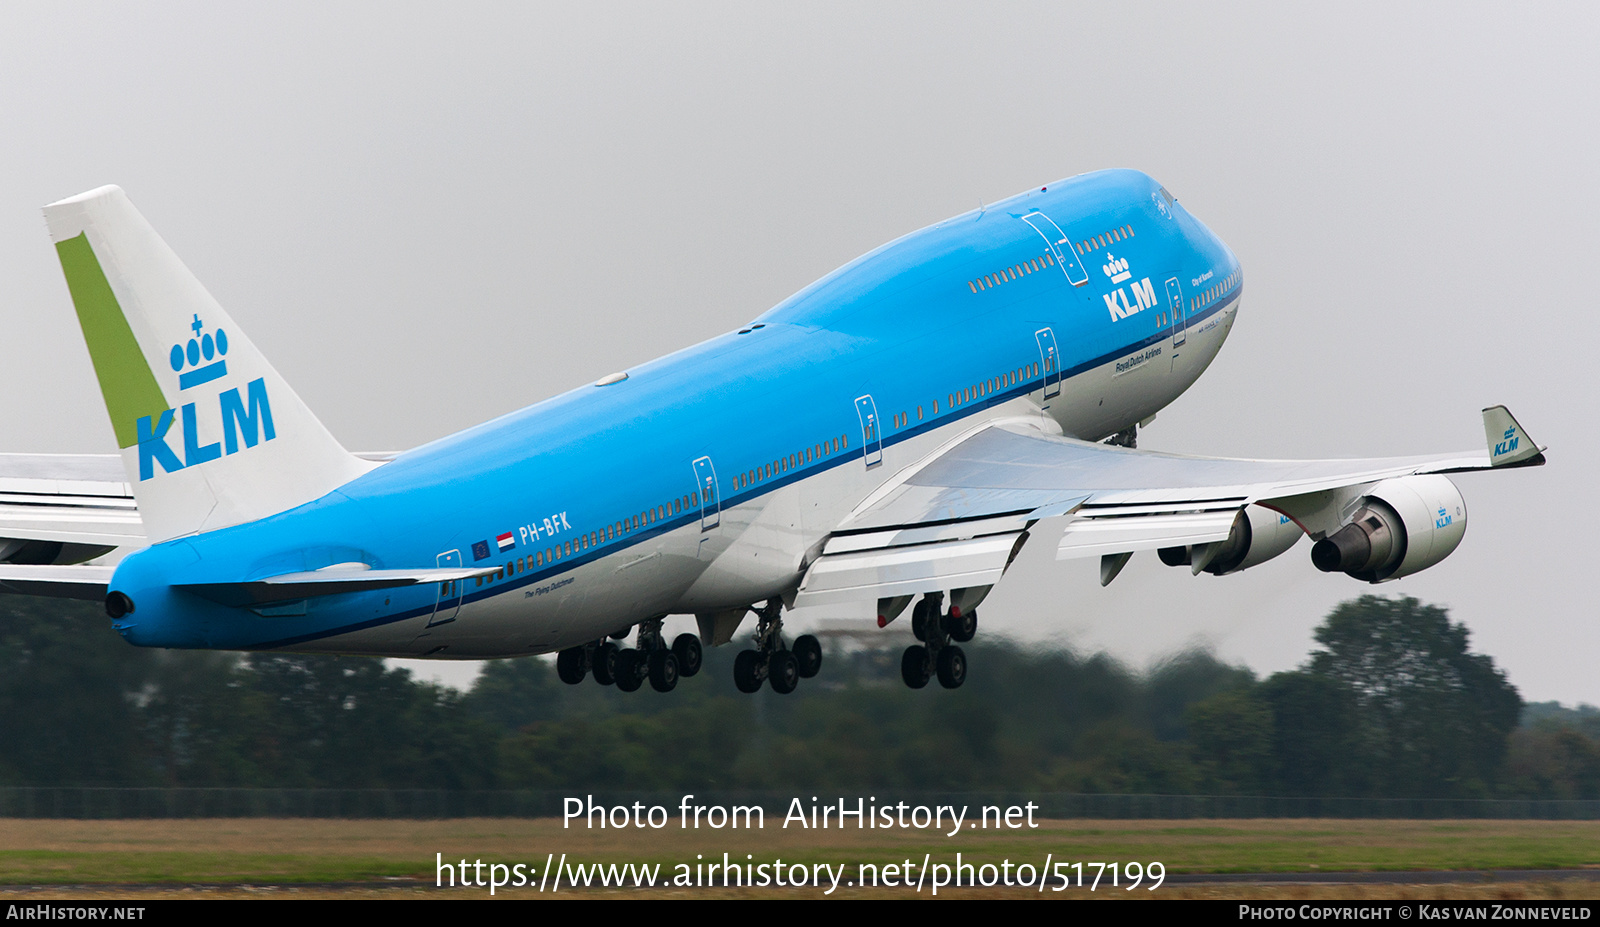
871,431
1060,248
1175,302
449,600
705,477
1049,362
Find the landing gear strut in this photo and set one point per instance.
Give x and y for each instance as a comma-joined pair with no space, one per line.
770,661
937,656
628,668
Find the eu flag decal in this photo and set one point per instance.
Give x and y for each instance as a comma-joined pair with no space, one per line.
480,550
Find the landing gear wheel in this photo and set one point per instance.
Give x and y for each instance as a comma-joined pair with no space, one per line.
961,627
605,663
914,666
919,620
747,673
952,667
664,670
628,676
808,651
686,647
783,671
569,666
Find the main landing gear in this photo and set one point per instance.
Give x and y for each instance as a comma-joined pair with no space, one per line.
937,656
628,668
770,661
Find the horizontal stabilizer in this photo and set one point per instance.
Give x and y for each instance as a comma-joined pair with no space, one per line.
61,582
289,587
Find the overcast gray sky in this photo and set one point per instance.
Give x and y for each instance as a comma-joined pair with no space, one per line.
428,216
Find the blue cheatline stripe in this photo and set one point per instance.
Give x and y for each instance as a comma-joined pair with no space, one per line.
801,472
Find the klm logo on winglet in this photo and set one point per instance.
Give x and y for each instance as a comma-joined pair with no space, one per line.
1144,295
1509,444
248,417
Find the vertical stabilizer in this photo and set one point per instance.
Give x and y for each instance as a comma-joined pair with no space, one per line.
210,434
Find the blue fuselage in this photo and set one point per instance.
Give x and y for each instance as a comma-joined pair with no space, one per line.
701,481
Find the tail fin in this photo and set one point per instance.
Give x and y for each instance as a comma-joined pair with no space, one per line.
211,435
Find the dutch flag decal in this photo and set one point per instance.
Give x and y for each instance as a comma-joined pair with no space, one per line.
505,542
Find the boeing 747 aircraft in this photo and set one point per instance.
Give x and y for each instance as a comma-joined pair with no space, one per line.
893,434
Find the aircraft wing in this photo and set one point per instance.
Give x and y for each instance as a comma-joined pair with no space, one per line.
59,508
957,518
288,587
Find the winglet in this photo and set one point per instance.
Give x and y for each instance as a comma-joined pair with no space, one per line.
1509,445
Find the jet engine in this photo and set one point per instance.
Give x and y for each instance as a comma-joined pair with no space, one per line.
1258,534
1400,526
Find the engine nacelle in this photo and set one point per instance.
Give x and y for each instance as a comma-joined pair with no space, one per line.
1258,534
1401,526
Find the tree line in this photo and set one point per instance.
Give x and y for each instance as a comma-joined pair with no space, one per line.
1391,704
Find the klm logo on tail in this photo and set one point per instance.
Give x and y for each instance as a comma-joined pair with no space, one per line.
249,417
1509,443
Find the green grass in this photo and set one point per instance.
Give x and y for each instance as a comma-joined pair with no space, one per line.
311,851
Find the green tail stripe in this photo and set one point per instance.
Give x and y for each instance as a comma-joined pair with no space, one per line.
130,389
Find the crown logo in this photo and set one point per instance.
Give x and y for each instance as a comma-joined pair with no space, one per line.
202,347
1117,269
1161,204
1509,432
